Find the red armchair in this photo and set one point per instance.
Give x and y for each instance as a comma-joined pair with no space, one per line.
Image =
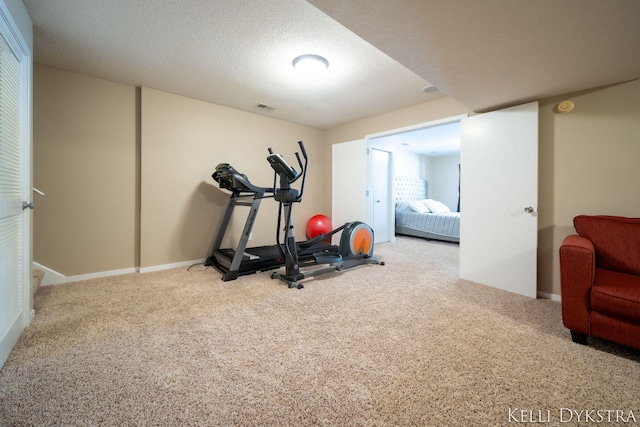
600,279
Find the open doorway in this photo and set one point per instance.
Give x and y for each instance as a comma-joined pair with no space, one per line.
425,165
498,193
382,190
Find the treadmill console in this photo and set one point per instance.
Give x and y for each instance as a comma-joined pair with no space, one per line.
230,179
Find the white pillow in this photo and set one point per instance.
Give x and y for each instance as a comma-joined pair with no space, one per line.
418,206
436,207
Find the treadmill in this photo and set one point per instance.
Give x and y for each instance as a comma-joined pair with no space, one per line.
242,260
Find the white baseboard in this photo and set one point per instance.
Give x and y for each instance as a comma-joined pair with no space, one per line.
170,266
9,340
101,274
546,295
52,277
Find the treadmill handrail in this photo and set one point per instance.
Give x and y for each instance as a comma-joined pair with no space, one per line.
229,178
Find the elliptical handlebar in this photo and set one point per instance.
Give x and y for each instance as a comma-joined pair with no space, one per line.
304,152
288,175
304,168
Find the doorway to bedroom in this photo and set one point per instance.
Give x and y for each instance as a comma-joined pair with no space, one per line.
423,176
499,152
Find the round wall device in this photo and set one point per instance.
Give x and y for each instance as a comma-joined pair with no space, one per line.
565,107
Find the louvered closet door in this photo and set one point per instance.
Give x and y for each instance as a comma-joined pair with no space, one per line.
12,263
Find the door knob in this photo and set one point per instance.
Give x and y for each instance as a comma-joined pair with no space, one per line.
528,209
26,205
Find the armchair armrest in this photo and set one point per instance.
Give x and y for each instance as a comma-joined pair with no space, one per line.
577,272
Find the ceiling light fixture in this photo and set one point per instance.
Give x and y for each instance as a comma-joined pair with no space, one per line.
429,89
310,64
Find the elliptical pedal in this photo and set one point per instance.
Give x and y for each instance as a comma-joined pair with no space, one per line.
332,258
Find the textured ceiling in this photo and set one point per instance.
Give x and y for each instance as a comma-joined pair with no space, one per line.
234,53
495,53
486,54
437,140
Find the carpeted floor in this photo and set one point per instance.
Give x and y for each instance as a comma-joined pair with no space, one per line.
403,344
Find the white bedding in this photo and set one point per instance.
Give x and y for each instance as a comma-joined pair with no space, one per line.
440,226
412,218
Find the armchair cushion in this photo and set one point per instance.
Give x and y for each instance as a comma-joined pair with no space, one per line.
616,294
616,241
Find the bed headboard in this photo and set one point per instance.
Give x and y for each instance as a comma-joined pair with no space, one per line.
410,188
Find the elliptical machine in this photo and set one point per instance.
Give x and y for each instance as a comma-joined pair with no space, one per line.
356,241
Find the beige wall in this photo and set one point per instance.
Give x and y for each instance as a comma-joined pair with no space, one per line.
99,152
127,173
182,142
84,150
588,165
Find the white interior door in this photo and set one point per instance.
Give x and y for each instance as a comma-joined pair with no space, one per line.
349,183
381,171
499,196
15,185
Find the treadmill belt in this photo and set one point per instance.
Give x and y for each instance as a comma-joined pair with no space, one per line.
263,258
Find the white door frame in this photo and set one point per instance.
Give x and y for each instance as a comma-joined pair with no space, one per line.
368,138
370,181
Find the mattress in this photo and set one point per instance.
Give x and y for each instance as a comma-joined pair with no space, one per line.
440,226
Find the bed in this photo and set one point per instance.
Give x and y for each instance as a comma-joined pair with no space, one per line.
417,215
